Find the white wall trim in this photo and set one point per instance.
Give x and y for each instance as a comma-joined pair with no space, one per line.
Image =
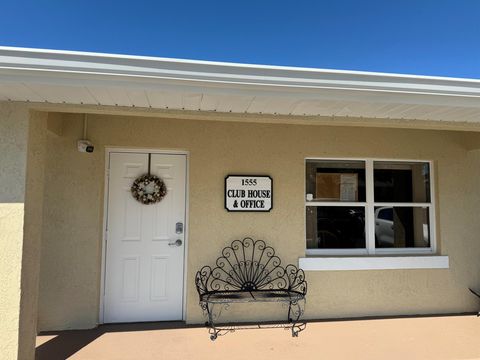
373,263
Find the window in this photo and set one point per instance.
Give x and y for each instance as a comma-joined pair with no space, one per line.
368,207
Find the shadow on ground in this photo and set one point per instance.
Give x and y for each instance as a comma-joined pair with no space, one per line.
67,343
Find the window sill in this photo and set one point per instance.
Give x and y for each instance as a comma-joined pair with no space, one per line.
373,263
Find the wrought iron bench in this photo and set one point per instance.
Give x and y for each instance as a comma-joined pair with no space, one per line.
249,271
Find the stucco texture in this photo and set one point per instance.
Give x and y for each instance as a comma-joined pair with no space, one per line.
73,210
22,149
13,147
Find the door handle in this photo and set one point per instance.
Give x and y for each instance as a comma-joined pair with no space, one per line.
178,242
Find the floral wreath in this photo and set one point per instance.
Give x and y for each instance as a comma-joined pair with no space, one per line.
148,189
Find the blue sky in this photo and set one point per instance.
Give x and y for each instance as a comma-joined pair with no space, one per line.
414,37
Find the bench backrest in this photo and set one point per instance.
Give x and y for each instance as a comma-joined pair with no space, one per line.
249,265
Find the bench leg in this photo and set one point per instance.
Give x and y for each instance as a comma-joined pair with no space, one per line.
210,324
295,310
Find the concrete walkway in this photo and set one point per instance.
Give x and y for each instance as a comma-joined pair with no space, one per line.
436,338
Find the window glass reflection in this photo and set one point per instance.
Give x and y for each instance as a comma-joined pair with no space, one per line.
401,181
402,227
335,180
335,227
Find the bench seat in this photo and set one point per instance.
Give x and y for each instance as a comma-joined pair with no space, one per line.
255,295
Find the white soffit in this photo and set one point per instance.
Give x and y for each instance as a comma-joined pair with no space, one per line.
148,82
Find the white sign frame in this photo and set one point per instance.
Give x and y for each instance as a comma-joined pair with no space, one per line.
259,185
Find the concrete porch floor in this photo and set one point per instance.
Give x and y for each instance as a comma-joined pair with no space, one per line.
443,337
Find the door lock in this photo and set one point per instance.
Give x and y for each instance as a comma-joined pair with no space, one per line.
179,228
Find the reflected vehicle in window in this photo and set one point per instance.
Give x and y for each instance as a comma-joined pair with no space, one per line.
384,234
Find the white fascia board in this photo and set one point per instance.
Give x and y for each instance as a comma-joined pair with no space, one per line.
47,66
373,263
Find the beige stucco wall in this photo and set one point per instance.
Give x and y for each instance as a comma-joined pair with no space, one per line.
71,249
13,161
32,233
22,149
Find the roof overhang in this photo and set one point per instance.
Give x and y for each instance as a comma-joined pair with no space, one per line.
80,78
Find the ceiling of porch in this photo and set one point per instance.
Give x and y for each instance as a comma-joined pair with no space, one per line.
59,77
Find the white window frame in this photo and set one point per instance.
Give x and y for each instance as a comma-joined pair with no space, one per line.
370,205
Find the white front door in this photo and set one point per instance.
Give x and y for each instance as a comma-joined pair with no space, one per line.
144,260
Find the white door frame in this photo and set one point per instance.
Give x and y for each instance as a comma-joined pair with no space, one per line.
108,151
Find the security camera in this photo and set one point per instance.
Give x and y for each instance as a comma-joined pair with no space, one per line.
85,146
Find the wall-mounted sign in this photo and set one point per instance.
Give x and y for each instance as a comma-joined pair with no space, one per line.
248,193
